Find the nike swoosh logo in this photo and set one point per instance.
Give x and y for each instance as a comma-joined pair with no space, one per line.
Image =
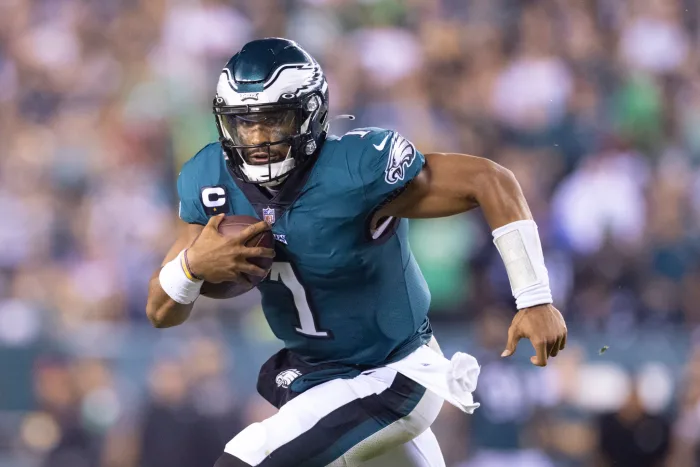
380,147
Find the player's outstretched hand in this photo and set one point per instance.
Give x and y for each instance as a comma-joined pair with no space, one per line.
544,326
217,258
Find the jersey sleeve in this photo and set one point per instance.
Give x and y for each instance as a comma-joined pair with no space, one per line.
190,209
189,186
388,164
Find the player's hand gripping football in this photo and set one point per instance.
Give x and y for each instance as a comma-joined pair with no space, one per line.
544,326
216,258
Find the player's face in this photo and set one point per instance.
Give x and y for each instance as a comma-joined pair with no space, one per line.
259,128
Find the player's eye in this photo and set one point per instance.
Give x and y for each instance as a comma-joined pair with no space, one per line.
246,123
244,120
276,118
258,119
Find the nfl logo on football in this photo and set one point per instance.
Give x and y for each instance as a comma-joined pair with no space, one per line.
269,215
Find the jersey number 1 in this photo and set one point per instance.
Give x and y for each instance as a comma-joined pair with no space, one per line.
284,273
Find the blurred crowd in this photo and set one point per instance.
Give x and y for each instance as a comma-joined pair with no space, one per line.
593,104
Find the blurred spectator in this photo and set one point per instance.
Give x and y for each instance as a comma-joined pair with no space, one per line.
632,437
605,197
167,425
510,395
58,394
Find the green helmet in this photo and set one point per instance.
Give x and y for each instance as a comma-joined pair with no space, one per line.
271,109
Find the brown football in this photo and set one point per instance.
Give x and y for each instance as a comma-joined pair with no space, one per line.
229,226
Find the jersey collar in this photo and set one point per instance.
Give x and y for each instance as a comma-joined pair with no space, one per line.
289,191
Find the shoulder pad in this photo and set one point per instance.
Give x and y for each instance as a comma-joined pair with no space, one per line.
202,170
386,161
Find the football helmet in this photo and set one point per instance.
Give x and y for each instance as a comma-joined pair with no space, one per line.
271,110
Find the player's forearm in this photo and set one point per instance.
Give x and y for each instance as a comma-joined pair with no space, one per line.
161,308
163,311
515,235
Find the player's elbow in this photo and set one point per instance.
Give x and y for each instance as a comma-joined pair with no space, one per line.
155,309
160,312
156,315
500,174
494,177
157,322
168,314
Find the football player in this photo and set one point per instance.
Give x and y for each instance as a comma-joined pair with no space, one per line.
360,379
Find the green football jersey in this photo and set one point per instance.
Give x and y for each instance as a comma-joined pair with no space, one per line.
339,292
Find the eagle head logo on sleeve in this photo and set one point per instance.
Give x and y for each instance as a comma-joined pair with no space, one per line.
401,156
285,378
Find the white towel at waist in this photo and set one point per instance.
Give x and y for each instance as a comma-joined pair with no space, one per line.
453,380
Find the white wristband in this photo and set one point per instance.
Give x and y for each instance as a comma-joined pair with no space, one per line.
176,284
521,251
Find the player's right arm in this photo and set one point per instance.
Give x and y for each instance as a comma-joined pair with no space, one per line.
211,257
163,311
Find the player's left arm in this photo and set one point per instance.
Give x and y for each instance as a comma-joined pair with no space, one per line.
451,184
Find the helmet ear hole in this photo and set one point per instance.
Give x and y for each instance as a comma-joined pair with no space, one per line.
312,103
310,147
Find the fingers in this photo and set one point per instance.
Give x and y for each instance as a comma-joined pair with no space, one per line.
243,279
512,344
540,358
546,349
258,252
251,269
553,349
544,326
253,230
214,221
559,344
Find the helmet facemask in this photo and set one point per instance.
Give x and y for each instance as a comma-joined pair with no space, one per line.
265,142
261,141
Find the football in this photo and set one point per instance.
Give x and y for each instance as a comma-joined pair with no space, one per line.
230,226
